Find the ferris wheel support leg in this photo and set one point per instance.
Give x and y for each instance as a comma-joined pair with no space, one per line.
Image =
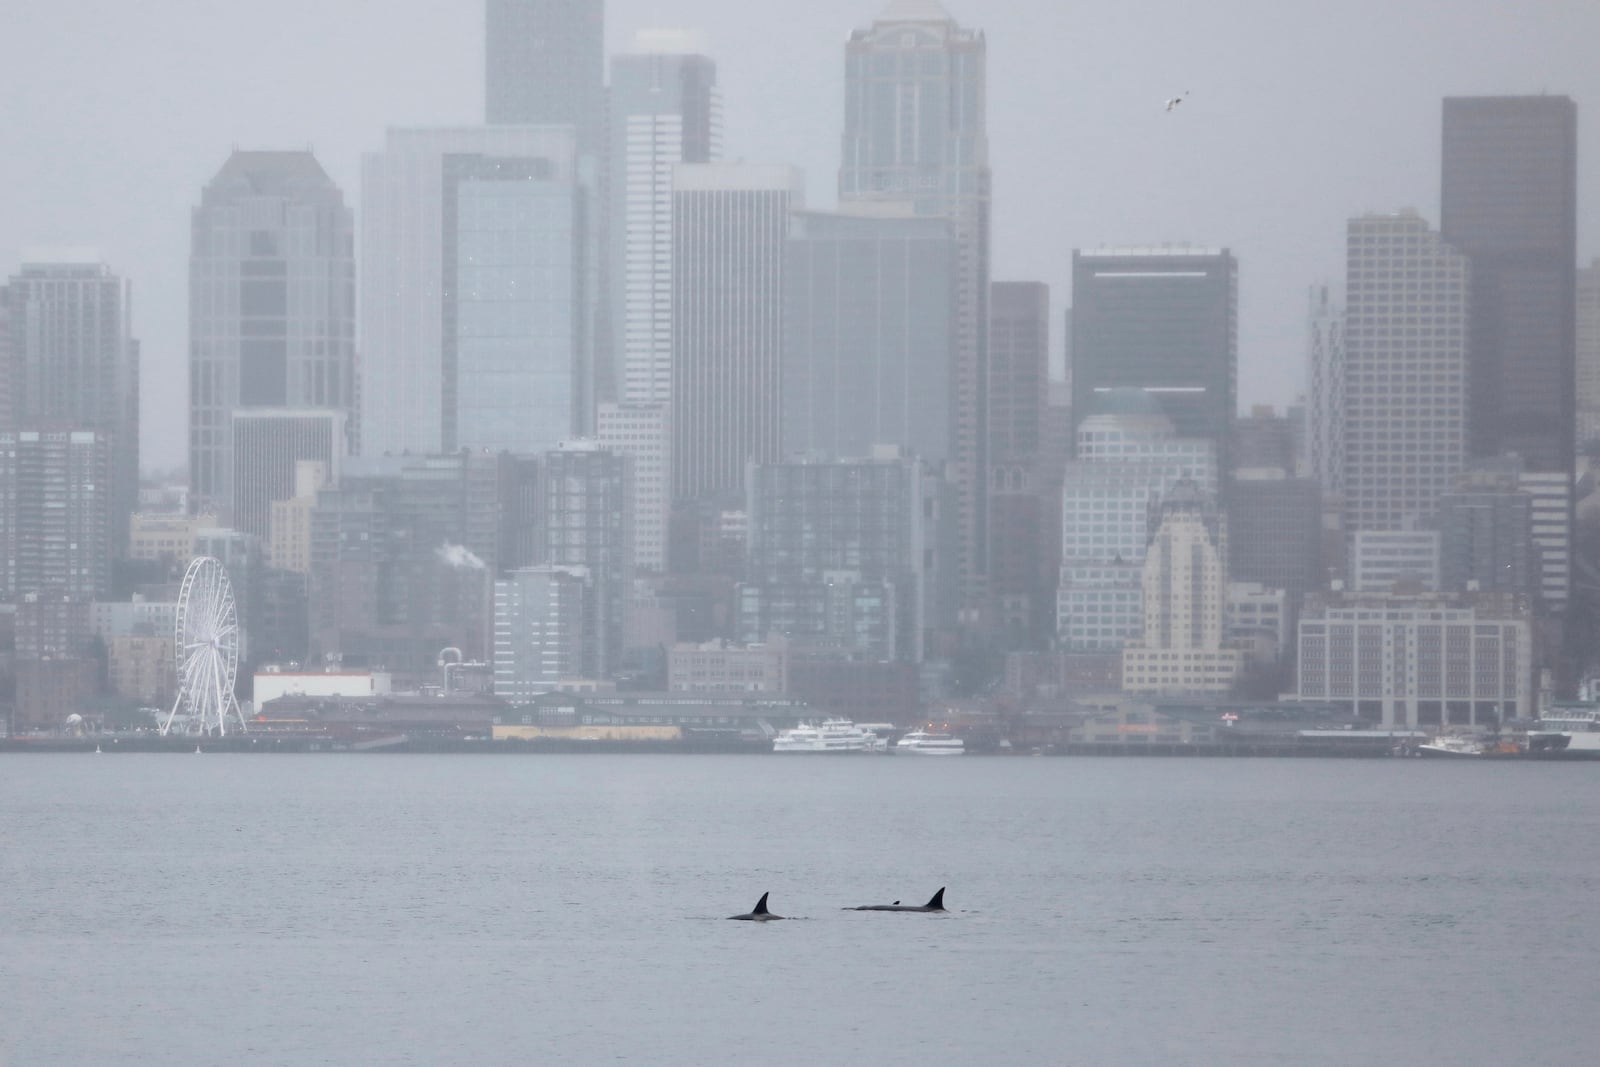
167,726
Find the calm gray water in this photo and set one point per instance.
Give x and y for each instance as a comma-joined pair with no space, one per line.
359,909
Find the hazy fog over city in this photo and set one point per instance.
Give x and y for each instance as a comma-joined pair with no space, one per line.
1298,117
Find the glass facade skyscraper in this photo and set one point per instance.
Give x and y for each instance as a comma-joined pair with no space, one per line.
544,65
868,335
271,305
916,132
1164,320
461,232
1508,201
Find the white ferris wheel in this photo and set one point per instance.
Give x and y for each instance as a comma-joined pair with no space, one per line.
207,637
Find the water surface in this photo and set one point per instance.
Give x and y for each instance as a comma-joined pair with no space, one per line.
411,909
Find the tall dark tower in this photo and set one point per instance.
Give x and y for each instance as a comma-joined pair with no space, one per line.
1509,201
915,132
544,65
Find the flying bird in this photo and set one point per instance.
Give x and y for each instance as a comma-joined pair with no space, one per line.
1172,104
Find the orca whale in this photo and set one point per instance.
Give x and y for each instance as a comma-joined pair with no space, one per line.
935,903
759,913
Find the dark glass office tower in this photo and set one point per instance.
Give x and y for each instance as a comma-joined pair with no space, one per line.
1509,202
1163,320
544,65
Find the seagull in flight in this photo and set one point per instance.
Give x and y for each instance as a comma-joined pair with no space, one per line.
1172,105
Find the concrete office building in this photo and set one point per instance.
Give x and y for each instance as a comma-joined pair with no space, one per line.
642,433
539,630
729,222
868,332
916,101
268,446
1164,320
1419,661
56,513
1405,379
74,365
1385,560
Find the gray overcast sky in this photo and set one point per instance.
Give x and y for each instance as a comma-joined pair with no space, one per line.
1300,115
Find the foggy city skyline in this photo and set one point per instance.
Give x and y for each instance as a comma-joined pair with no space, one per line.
130,112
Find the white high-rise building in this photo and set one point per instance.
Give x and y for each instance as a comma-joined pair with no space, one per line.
1405,382
665,110
729,223
1129,457
641,432
477,289
1185,586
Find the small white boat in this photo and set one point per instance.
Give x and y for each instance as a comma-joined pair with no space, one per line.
929,743
834,735
1450,746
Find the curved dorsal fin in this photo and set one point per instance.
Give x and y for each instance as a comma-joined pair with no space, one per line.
938,900
761,905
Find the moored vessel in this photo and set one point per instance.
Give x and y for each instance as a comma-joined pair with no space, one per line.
833,735
929,743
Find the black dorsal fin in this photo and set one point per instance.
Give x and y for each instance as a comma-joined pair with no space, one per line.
761,905
937,903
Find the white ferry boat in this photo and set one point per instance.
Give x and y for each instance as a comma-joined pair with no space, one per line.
927,743
1580,726
834,735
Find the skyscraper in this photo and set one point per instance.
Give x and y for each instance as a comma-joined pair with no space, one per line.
1185,579
868,334
56,512
1405,387
74,366
588,524
516,359
268,444
1324,407
1508,201
915,130
1019,377
432,200
665,110
1165,320
271,306
1588,353
544,65
729,222
1128,458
